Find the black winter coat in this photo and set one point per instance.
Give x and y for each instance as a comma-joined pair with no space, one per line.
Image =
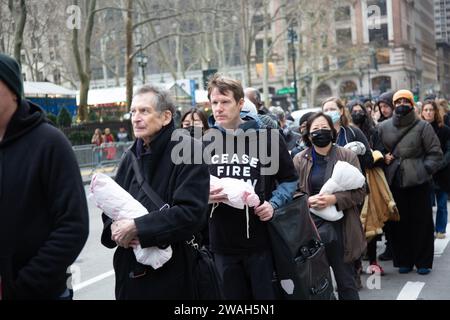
43,209
185,187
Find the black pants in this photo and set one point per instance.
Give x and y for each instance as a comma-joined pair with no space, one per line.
413,236
344,273
246,277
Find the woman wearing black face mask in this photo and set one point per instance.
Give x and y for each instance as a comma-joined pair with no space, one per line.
413,154
196,122
362,120
344,239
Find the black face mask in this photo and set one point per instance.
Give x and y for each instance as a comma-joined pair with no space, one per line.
194,131
403,110
321,138
358,118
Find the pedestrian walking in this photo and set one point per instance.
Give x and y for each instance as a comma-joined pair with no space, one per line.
430,113
239,238
184,187
344,239
43,210
412,154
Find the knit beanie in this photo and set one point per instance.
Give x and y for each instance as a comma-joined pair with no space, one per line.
404,94
11,75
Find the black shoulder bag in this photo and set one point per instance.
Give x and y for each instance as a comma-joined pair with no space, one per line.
204,274
301,266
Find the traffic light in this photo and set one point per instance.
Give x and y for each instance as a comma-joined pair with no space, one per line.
207,74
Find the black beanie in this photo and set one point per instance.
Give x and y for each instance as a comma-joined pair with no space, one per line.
11,75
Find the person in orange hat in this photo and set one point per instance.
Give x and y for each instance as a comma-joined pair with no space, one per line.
412,155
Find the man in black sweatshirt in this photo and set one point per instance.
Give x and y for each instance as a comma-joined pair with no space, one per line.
43,209
240,149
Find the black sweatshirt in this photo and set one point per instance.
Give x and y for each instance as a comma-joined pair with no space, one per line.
228,225
43,209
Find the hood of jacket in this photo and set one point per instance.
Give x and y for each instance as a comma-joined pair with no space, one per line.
27,116
251,122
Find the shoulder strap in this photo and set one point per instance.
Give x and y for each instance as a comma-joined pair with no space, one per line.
154,197
403,135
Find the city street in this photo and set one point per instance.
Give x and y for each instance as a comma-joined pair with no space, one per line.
95,279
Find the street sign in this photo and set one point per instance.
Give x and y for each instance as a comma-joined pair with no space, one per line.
287,90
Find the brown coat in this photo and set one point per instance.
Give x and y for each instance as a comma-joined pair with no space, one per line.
347,201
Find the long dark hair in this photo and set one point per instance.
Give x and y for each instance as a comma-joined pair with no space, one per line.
368,125
311,119
201,115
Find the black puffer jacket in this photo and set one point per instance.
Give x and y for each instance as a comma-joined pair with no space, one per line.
185,187
43,210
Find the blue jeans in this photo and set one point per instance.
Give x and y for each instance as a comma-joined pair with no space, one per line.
441,213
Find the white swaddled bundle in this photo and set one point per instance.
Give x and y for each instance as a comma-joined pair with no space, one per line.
345,177
240,194
118,204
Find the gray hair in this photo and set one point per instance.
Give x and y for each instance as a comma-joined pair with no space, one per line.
162,98
278,112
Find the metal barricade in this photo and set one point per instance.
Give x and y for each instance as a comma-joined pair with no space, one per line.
84,155
107,155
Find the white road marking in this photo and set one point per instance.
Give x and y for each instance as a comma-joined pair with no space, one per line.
89,282
411,291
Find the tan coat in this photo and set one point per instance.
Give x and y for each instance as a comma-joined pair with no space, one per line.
347,201
379,206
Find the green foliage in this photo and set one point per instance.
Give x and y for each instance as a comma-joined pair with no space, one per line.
92,116
52,118
80,137
64,119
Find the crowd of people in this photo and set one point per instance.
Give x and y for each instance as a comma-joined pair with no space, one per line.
44,229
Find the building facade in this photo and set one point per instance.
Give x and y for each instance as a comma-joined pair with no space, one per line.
442,21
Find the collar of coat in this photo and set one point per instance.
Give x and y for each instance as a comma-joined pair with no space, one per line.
158,144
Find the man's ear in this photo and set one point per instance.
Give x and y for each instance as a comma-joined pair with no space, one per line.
167,117
241,104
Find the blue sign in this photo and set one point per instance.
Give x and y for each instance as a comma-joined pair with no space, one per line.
192,83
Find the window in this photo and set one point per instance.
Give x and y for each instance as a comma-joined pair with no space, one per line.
375,6
40,76
344,36
258,22
379,36
259,49
37,57
56,77
326,64
342,14
383,56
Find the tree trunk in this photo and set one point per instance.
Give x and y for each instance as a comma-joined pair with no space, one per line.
103,57
129,52
245,42
265,56
84,70
21,13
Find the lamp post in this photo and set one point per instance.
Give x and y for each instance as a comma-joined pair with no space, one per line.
308,80
292,35
142,62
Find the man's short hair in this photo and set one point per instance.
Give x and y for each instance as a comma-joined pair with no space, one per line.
224,84
256,96
163,100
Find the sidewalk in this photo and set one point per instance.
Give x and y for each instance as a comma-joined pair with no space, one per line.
87,173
